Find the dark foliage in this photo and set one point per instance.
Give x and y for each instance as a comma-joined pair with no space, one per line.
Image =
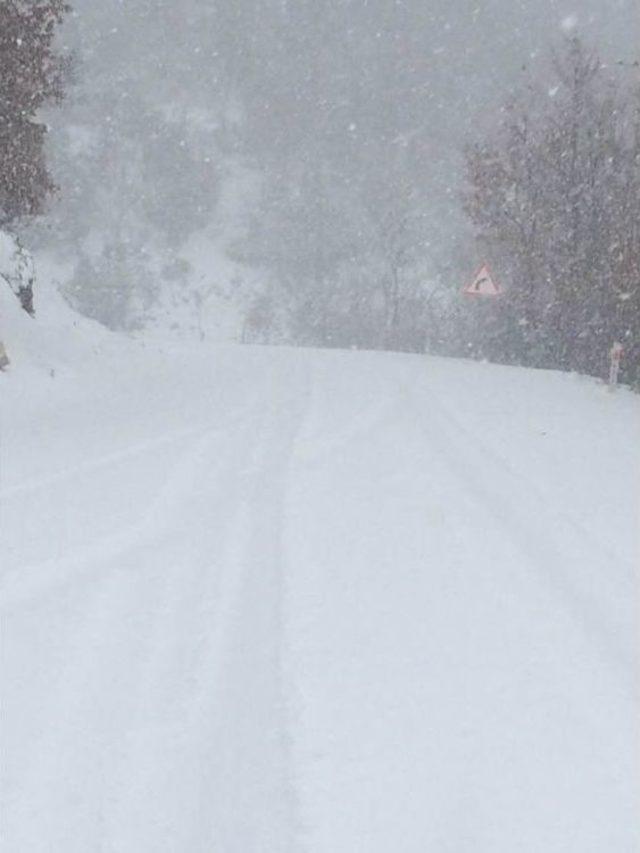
555,198
31,76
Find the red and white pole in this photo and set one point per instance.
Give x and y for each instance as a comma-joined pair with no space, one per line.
615,356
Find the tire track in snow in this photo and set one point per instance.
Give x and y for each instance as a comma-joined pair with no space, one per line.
531,532
482,670
126,621
254,576
38,578
174,674
96,464
545,500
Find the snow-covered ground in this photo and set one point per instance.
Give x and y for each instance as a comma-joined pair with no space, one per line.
260,600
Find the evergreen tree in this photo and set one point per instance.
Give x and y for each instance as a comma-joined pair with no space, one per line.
31,76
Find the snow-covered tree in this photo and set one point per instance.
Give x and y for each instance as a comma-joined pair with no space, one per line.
31,76
554,197
136,155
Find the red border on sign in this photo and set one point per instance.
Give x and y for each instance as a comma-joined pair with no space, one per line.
467,290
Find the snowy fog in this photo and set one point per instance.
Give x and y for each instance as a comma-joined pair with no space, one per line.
252,170
319,426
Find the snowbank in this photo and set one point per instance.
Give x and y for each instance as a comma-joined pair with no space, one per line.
57,338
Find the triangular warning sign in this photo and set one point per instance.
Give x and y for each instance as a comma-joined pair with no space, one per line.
483,283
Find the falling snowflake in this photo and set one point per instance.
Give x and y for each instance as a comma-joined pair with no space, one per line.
569,23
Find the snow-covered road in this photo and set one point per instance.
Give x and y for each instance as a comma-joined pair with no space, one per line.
262,601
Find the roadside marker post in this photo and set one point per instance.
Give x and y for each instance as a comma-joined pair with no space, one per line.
615,356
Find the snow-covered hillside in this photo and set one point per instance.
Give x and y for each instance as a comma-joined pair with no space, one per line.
260,600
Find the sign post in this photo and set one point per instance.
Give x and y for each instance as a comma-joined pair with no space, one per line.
615,355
